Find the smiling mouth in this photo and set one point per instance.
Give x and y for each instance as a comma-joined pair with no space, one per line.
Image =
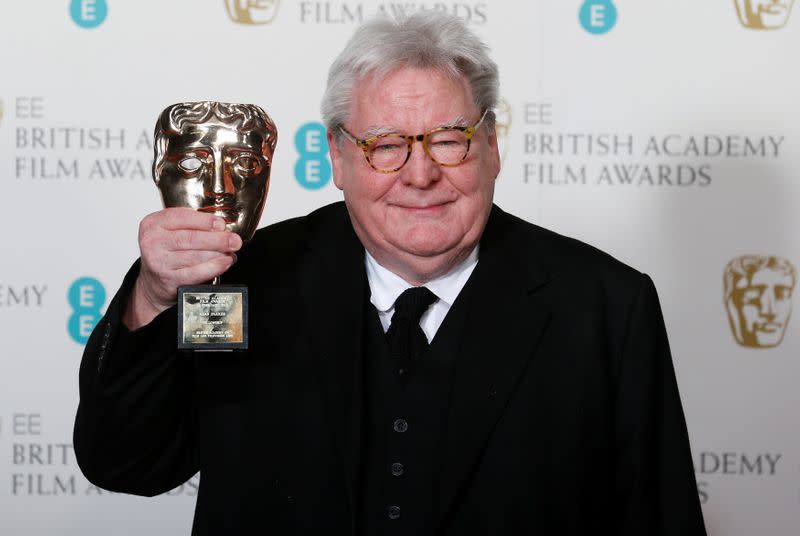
774,9
429,206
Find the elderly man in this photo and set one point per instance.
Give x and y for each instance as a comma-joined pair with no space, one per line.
420,362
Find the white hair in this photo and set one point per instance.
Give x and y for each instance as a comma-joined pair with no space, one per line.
428,39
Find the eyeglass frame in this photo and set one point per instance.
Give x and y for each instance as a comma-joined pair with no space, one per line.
364,144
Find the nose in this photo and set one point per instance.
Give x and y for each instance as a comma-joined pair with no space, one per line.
420,171
768,304
221,182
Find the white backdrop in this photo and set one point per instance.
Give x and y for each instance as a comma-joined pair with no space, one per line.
664,132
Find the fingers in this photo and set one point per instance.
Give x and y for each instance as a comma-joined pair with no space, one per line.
180,260
182,229
180,246
205,271
194,240
187,218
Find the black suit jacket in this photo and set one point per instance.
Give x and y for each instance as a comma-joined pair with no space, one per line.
564,416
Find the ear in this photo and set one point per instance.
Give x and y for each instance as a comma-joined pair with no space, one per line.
494,152
336,159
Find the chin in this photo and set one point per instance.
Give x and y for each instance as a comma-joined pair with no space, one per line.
768,340
426,246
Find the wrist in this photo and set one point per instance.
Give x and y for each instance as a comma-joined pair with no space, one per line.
141,309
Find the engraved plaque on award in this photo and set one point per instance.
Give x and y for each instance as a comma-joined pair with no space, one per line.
212,317
215,157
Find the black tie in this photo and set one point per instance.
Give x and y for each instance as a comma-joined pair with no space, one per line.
406,339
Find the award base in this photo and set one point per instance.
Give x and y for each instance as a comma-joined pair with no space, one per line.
212,318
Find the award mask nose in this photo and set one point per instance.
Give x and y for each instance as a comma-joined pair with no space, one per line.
221,182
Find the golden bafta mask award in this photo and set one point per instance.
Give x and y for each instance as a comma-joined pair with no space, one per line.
216,158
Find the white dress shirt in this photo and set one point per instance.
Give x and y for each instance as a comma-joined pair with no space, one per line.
385,286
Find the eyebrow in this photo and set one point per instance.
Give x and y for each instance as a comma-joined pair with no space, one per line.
374,130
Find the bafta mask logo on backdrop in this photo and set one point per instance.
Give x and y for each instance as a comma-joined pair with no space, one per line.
598,16
758,298
88,13
763,14
502,126
252,11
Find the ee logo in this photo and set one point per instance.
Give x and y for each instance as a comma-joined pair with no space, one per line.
88,13
86,296
598,16
313,169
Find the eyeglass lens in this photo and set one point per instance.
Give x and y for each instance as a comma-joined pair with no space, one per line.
447,147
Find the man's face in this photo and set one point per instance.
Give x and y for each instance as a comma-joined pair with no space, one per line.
214,168
764,307
421,220
765,13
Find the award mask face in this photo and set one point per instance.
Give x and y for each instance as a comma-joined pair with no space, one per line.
215,157
758,298
252,11
764,14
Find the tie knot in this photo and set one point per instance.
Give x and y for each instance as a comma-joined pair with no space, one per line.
413,303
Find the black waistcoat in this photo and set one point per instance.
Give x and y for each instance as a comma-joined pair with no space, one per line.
405,424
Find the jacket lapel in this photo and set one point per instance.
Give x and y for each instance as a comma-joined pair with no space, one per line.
334,300
504,325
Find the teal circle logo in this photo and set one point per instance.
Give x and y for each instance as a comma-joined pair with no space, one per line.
85,296
598,16
313,169
88,13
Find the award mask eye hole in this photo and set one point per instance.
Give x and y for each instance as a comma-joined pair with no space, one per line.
190,164
783,293
247,164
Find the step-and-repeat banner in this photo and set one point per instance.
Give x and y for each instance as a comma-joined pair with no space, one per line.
665,132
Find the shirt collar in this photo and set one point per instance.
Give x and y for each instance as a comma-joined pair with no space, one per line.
385,286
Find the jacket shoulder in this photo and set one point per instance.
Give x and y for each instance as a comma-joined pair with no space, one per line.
565,257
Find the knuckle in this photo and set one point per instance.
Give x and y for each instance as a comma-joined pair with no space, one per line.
144,226
147,244
150,224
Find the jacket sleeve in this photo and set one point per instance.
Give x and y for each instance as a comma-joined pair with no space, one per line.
134,429
655,483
